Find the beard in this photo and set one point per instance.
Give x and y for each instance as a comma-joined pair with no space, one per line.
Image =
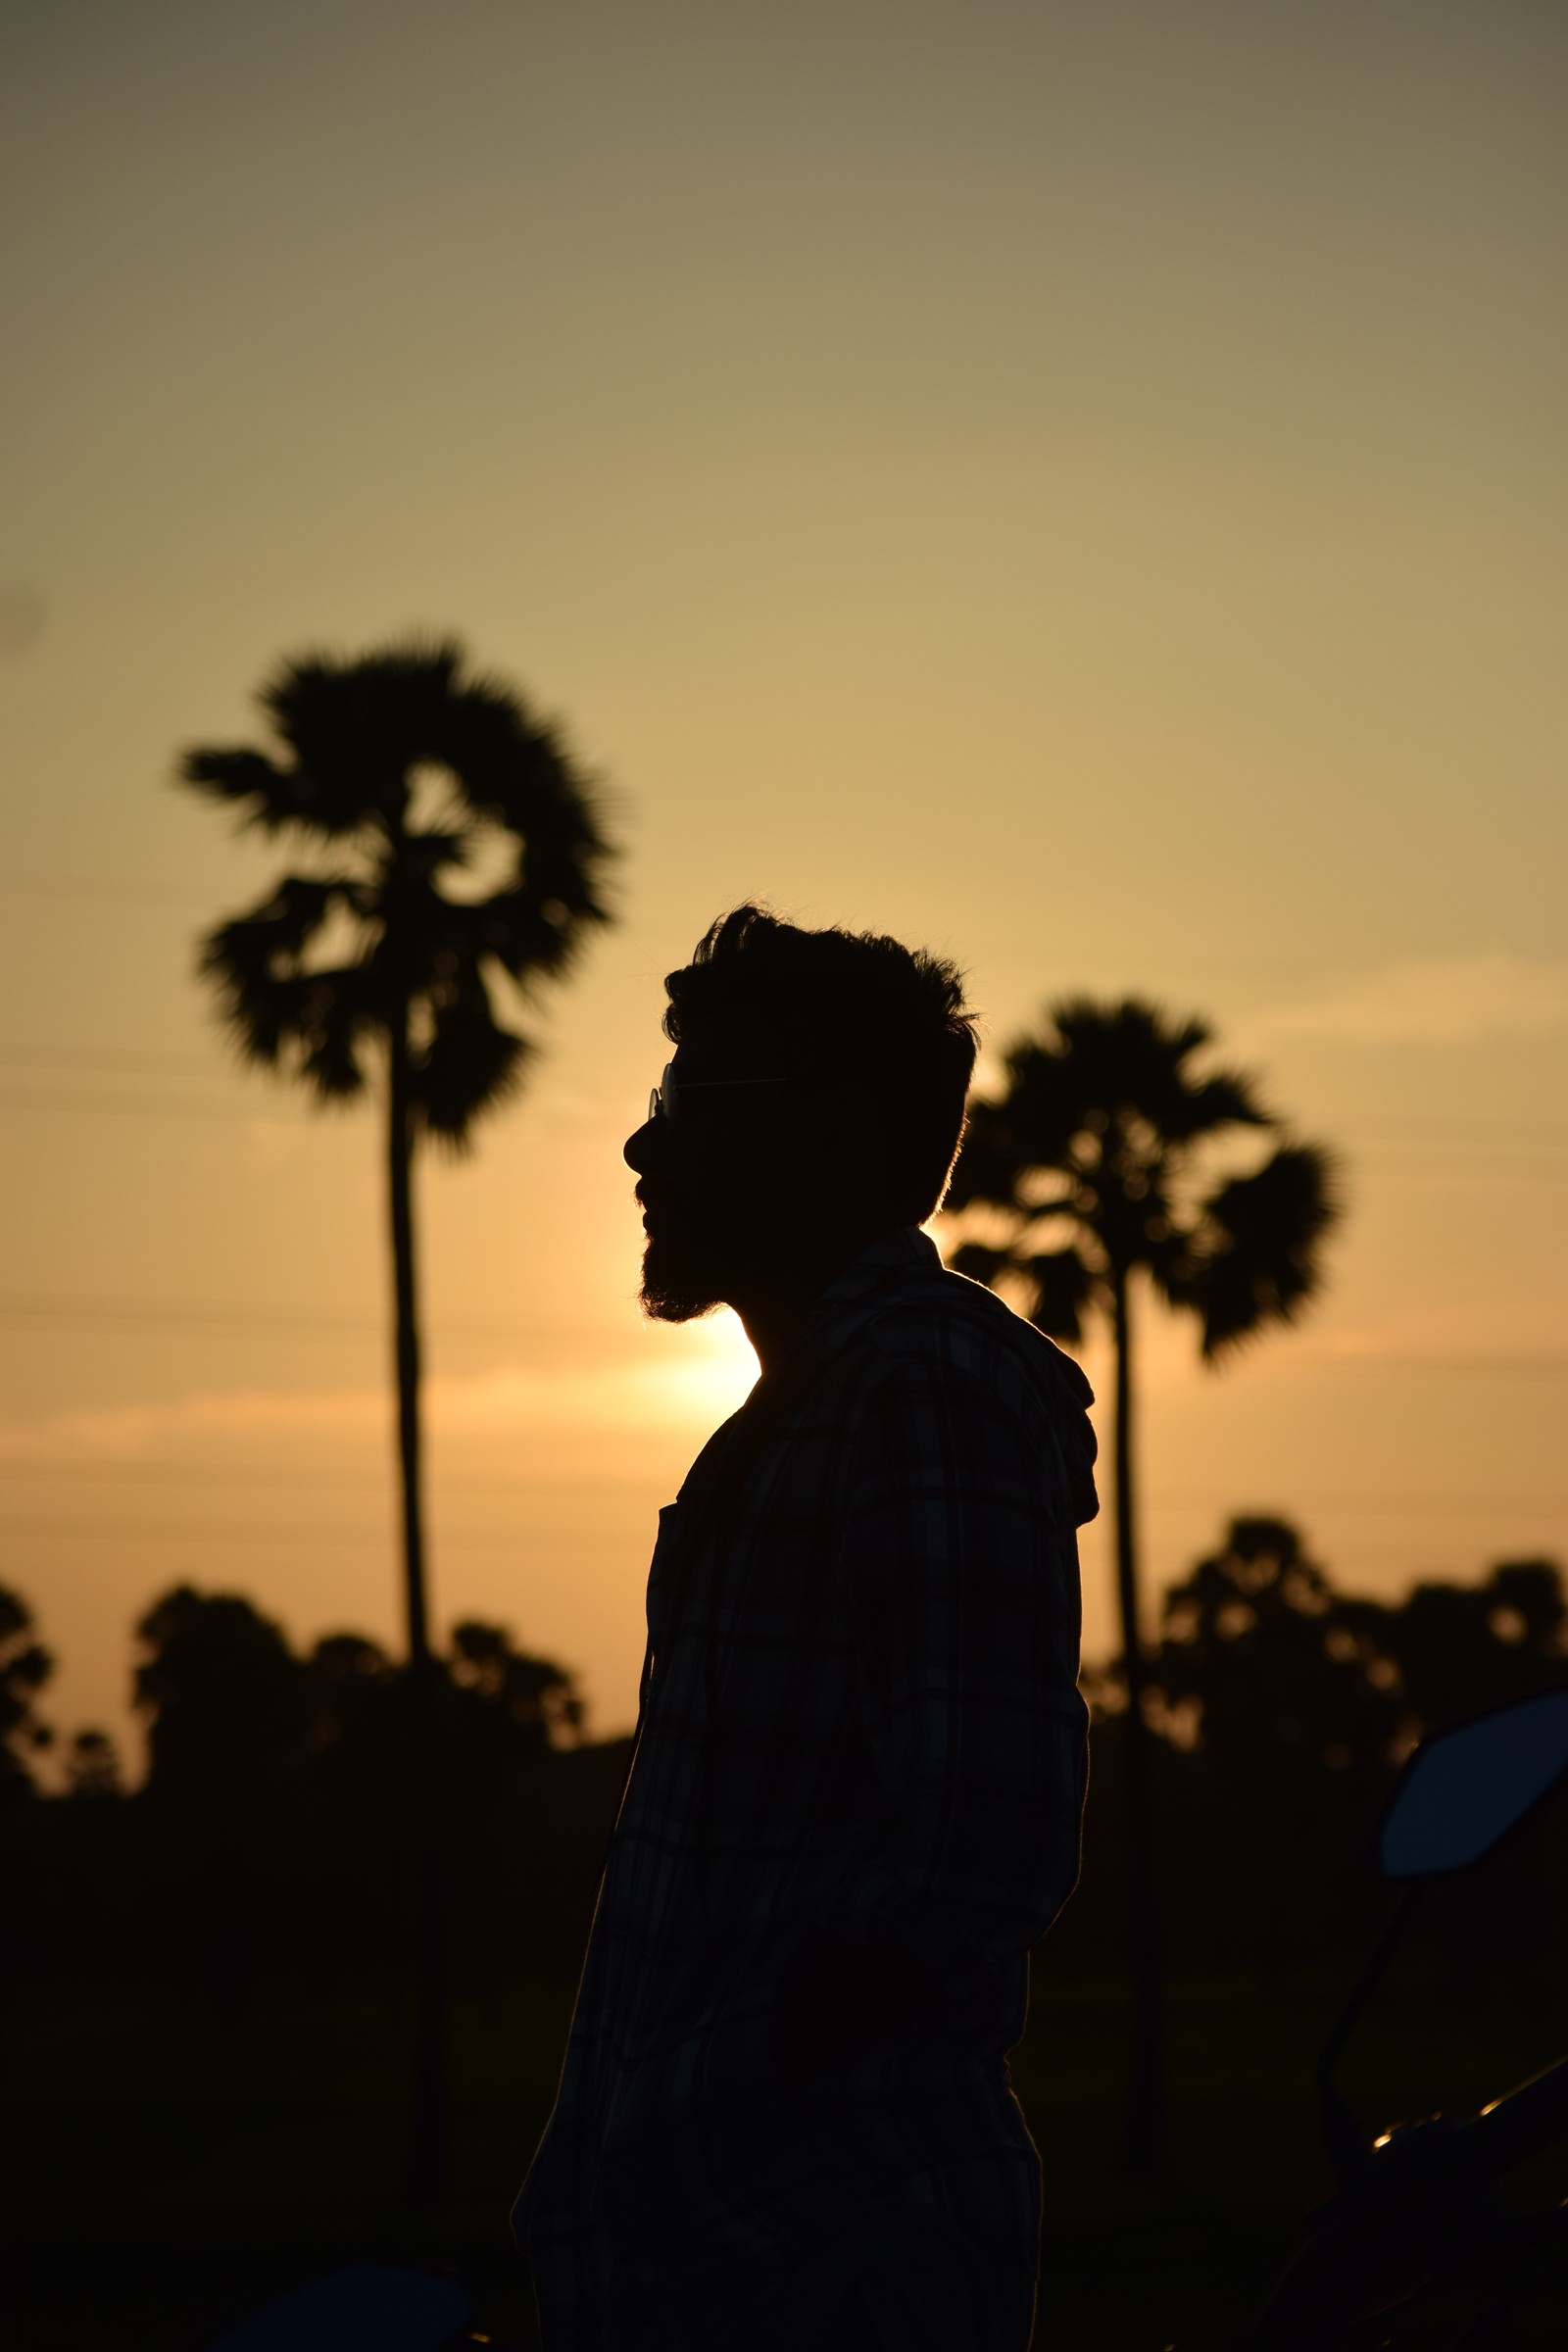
677,1285
707,1244
704,1249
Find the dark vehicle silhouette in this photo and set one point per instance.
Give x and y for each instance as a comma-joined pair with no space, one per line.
371,2308
1417,2248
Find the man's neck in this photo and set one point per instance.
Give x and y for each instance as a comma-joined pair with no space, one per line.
775,1309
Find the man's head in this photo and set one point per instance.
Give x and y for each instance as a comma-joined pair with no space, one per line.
856,1054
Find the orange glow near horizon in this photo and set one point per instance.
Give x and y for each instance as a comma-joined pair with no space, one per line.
1078,490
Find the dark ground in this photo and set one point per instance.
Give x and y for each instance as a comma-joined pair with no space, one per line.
167,2170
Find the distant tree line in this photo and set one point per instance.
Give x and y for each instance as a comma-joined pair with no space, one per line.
267,1842
269,1837
1283,1710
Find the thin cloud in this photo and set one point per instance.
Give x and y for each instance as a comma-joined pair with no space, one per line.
694,1388
1435,1000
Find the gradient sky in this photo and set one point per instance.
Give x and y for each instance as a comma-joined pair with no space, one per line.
1080,487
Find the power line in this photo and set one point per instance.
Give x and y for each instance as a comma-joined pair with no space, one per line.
1477,1367
1529,1161
1375,1506
174,1317
1455,1123
367,1481
1457,1168
23,1308
282,1532
110,1060
96,889
1520,1147
206,1474
127,1107
190,1107
31,1307
293,1534
134,1063
1396,1130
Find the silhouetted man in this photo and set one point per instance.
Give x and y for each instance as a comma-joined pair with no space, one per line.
785,2120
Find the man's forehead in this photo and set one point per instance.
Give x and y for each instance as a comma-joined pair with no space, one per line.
719,1045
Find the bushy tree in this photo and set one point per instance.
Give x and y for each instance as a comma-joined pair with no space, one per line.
1457,1648
236,1717
1271,1670
224,1700
24,1668
281,1782
1285,1705
1281,1676
92,1767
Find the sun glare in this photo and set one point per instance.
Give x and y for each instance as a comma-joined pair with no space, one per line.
710,1368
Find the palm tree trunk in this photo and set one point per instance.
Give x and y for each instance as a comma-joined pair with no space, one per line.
1143,2104
427,2131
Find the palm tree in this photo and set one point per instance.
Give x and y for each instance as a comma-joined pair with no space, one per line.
400,772
1087,1174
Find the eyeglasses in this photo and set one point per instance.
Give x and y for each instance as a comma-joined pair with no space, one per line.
670,1092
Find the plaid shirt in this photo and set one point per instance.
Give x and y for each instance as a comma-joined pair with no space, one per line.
859,1774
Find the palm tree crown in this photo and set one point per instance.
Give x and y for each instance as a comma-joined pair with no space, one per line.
1089,1170
405,771
1095,1147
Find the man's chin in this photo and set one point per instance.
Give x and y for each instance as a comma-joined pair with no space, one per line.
671,1293
673,1306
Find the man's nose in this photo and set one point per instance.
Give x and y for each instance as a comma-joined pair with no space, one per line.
642,1144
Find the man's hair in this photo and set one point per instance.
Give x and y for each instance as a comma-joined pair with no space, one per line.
852,1008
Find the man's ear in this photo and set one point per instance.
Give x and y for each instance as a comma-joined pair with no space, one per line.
845,1139
837,1116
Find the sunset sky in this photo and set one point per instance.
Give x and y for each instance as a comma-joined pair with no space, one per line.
1079,487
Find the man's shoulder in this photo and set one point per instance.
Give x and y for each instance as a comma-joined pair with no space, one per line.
933,1320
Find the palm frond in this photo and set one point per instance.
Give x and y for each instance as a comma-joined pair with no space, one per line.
527,936
279,1010
243,778
336,1021
1228,1099
1128,1051
471,1065
401,688
978,1262
1062,1286
1253,1258
989,1162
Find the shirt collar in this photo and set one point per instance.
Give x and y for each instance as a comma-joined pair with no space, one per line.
901,1246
